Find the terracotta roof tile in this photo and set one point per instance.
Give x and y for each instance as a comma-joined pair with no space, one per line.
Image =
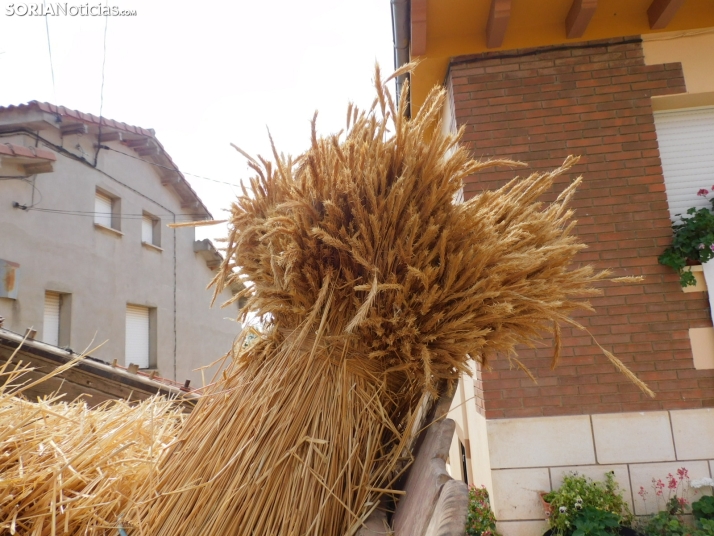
10,149
76,114
90,118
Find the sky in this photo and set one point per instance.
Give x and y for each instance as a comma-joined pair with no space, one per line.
203,74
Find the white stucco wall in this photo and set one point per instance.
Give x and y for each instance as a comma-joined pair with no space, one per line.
102,270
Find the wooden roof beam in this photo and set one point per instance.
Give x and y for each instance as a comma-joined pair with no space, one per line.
148,150
661,12
137,142
39,167
579,16
112,135
418,29
498,19
73,128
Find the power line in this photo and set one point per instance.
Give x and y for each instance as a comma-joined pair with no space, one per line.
107,148
170,168
49,48
101,92
90,214
31,183
104,64
82,160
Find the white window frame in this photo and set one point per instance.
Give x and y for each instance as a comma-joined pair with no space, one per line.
140,336
56,328
107,210
51,318
686,145
150,230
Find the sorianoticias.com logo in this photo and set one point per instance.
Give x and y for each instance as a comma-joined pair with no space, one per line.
59,9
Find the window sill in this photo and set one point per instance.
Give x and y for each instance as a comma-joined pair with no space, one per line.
151,246
110,229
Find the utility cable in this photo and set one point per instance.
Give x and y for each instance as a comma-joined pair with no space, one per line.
107,148
49,49
170,168
34,189
101,92
93,214
61,150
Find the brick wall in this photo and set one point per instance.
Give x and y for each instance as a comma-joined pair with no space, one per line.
592,99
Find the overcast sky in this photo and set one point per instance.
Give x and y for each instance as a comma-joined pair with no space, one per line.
204,74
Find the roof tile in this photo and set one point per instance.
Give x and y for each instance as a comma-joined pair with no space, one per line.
11,149
89,118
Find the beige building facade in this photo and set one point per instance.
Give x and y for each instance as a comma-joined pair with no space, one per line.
86,254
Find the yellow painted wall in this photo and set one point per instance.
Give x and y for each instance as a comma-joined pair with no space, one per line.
458,27
695,51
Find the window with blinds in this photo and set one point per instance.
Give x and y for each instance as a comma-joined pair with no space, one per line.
137,349
686,147
150,230
147,229
103,209
51,319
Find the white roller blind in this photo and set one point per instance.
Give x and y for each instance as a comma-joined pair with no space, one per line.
686,147
103,210
50,324
147,230
137,336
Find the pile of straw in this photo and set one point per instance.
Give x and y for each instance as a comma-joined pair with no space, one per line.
68,469
375,287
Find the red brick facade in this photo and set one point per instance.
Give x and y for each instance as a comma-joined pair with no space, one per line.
591,99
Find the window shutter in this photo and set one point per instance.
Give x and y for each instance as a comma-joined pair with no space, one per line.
686,147
147,230
137,336
50,325
103,210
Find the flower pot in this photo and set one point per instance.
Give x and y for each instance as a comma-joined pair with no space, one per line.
547,508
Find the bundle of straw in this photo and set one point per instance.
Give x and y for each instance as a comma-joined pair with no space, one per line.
68,469
376,287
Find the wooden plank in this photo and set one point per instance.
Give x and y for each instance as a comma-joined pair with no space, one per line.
84,374
418,30
498,19
661,12
579,16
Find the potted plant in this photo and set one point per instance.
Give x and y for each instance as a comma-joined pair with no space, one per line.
693,242
480,521
669,520
582,507
673,503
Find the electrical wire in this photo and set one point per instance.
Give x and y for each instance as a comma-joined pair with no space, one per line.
101,92
49,48
169,168
61,150
106,147
34,189
88,214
